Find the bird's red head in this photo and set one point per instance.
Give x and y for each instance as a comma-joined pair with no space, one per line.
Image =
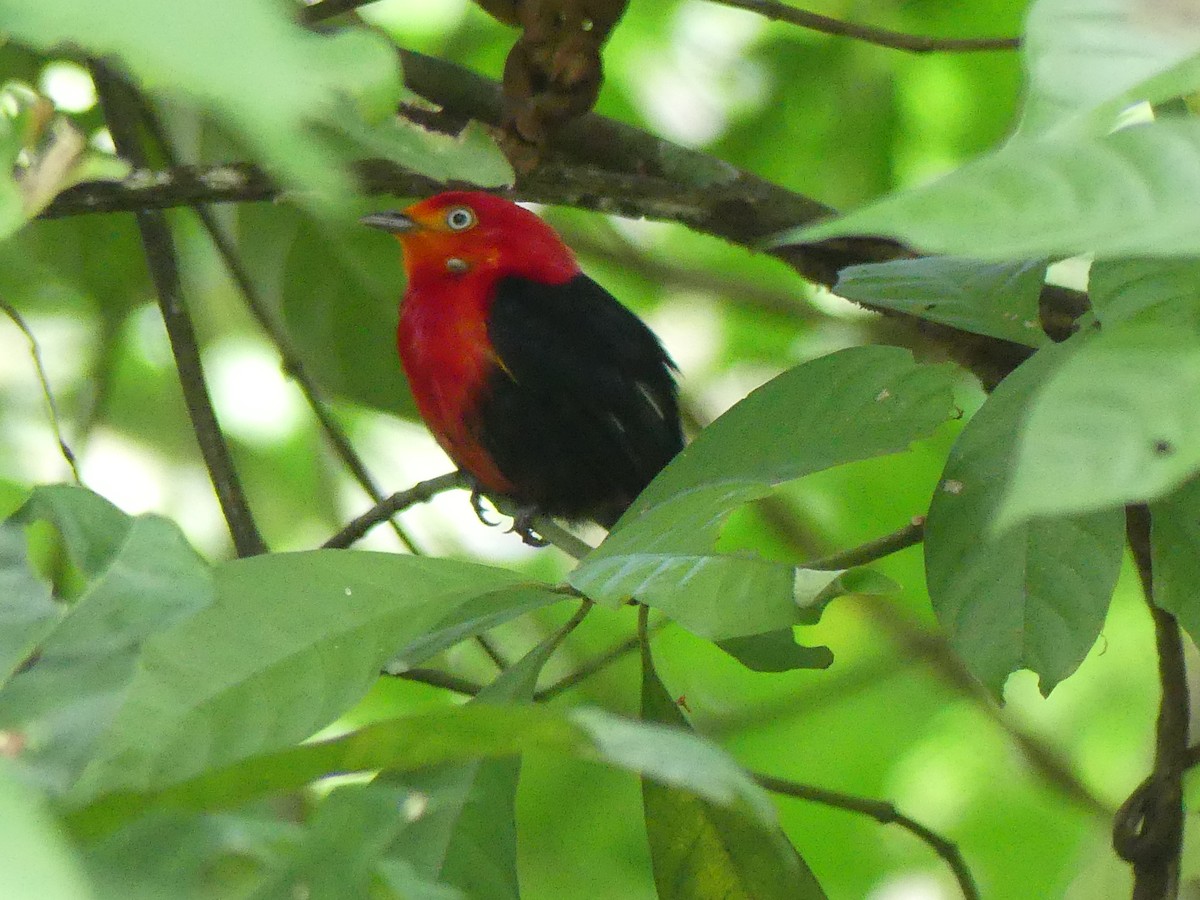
468,233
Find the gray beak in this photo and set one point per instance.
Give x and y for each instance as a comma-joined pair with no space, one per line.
395,222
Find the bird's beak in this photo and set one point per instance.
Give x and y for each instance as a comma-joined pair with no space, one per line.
395,222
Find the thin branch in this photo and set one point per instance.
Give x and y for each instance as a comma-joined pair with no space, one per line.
121,116
1148,829
439,679
906,537
267,321
47,394
1045,759
885,814
594,666
421,492
912,43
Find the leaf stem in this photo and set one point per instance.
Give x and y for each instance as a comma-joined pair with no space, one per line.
903,538
47,394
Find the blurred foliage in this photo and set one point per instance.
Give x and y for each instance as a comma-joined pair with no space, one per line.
152,695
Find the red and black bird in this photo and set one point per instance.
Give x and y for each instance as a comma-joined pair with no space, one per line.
539,385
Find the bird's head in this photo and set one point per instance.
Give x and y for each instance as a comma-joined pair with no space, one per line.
462,234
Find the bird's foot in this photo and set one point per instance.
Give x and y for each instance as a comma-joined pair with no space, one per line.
477,504
522,525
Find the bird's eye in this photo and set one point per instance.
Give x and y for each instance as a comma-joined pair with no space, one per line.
460,218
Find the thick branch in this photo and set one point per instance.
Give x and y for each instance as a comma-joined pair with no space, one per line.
885,814
121,115
600,164
913,43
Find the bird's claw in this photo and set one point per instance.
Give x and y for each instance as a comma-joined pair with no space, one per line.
522,525
477,505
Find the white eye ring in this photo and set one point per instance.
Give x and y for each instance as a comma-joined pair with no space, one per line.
460,218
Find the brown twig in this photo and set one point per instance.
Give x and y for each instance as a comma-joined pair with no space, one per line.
267,321
1046,760
421,492
882,37
1148,828
121,115
885,814
47,394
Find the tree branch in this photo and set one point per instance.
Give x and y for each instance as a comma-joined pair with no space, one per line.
931,649
292,364
912,43
885,814
121,115
421,492
1148,828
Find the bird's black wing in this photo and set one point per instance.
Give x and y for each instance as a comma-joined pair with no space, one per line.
582,412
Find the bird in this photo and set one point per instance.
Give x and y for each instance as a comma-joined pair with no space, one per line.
540,386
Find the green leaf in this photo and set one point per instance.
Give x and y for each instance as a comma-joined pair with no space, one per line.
343,842
449,736
35,856
168,853
471,156
850,405
1121,289
1122,194
1089,59
998,299
27,611
140,578
468,837
298,77
1175,554
775,651
340,295
700,850
1117,423
476,616
292,641
1034,596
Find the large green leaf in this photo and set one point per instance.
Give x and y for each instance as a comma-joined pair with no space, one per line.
299,78
1175,554
1168,289
1122,194
703,851
1117,423
139,577
292,641
1088,59
468,836
998,299
35,856
452,736
340,295
850,405
27,611
1036,595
